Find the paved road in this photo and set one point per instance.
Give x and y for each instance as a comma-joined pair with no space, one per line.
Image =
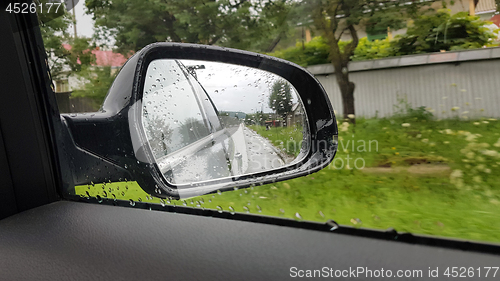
262,155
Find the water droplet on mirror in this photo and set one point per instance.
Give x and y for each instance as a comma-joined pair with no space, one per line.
162,202
219,209
298,216
131,202
231,210
219,192
247,210
99,199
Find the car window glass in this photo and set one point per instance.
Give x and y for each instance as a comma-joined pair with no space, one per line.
415,94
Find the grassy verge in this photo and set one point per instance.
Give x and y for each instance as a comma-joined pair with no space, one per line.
288,139
461,202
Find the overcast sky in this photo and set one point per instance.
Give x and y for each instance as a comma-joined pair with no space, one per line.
236,88
84,22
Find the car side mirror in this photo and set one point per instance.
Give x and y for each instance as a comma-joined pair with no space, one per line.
185,120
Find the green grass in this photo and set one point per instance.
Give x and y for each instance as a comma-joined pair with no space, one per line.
467,207
289,139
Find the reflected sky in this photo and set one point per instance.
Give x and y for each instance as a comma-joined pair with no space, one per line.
237,88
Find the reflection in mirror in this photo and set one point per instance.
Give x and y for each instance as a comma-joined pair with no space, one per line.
209,120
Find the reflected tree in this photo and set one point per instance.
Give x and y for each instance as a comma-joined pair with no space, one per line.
280,99
159,135
192,129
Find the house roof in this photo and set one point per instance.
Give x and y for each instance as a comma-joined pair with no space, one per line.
486,6
105,58
496,20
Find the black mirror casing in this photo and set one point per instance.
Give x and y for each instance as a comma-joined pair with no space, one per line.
110,145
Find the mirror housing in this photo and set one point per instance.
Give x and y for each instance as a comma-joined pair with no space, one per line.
111,144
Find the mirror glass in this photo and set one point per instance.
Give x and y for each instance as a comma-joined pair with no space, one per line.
210,120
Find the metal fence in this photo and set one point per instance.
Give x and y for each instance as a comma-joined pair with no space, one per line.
451,84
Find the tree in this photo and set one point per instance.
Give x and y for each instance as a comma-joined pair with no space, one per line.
334,18
55,35
243,24
280,99
96,83
159,134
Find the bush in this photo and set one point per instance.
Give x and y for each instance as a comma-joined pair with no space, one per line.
442,31
314,52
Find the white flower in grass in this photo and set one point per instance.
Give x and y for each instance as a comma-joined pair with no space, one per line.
465,112
425,140
455,108
491,153
486,122
350,116
446,142
456,178
497,144
477,123
406,125
471,137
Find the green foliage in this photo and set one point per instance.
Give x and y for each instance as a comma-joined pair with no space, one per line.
368,50
96,83
443,31
55,34
239,24
429,33
314,52
404,112
280,99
